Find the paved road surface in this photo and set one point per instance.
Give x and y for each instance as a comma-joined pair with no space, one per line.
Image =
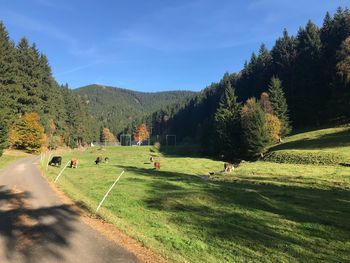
35,226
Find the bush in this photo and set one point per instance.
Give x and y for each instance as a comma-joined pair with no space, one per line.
304,158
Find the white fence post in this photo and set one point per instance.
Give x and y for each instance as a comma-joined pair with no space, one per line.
109,191
58,176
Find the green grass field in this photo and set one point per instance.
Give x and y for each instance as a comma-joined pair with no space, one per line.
262,212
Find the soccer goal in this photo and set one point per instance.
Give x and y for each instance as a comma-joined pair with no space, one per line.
170,140
125,140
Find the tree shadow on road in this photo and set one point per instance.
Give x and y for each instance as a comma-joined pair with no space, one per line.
33,234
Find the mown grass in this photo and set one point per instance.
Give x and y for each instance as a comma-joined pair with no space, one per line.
262,212
326,146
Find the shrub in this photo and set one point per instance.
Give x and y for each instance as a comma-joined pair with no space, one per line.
304,158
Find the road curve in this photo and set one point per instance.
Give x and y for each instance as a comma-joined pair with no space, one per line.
36,226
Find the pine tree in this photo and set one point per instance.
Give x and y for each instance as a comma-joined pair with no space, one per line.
9,89
343,65
279,104
227,122
3,136
255,133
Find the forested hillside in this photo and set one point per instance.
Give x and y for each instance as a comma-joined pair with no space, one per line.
119,109
31,97
27,85
314,70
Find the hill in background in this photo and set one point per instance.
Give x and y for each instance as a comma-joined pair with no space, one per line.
118,108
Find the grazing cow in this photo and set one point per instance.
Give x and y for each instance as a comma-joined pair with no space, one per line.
98,160
157,165
56,161
151,159
106,159
228,167
74,163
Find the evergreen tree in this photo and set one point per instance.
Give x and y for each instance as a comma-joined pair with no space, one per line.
227,122
255,133
309,77
9,89
279,104
3,136
343,65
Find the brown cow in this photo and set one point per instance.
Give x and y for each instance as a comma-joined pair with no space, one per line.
228,167
157,165
74,163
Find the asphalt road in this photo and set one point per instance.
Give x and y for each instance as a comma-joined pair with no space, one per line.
36,226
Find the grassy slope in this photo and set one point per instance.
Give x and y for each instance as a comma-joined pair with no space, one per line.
331,140
264,212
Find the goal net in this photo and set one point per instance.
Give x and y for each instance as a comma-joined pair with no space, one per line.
125,140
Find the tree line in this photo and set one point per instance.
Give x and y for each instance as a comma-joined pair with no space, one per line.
29,92
312,69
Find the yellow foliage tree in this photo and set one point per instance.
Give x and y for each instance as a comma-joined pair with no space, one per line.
27,134
141,133
107,136
265,103
273,126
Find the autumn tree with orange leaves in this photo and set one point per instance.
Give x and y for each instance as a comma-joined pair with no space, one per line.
107,136
27,134
141,133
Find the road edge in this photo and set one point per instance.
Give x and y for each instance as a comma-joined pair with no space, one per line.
108,230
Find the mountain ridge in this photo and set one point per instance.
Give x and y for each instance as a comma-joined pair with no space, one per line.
119,108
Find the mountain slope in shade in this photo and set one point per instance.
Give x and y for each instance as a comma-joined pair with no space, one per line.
118,108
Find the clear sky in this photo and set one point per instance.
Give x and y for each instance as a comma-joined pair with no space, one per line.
152,45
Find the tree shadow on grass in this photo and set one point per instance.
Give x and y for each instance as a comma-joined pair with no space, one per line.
161,174
338,139
32,234
182,151
253,217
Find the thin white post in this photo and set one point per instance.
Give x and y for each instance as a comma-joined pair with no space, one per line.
58,176
110,189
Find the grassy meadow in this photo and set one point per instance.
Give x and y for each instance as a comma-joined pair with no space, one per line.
261,212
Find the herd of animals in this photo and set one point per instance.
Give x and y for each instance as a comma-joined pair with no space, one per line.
57,161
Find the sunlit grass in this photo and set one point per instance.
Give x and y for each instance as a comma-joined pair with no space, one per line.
264,212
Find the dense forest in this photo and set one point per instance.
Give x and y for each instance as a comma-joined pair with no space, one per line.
27,85
120,109
313,68
33,102
303,81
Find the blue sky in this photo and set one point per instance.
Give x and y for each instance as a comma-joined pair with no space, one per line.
153,45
